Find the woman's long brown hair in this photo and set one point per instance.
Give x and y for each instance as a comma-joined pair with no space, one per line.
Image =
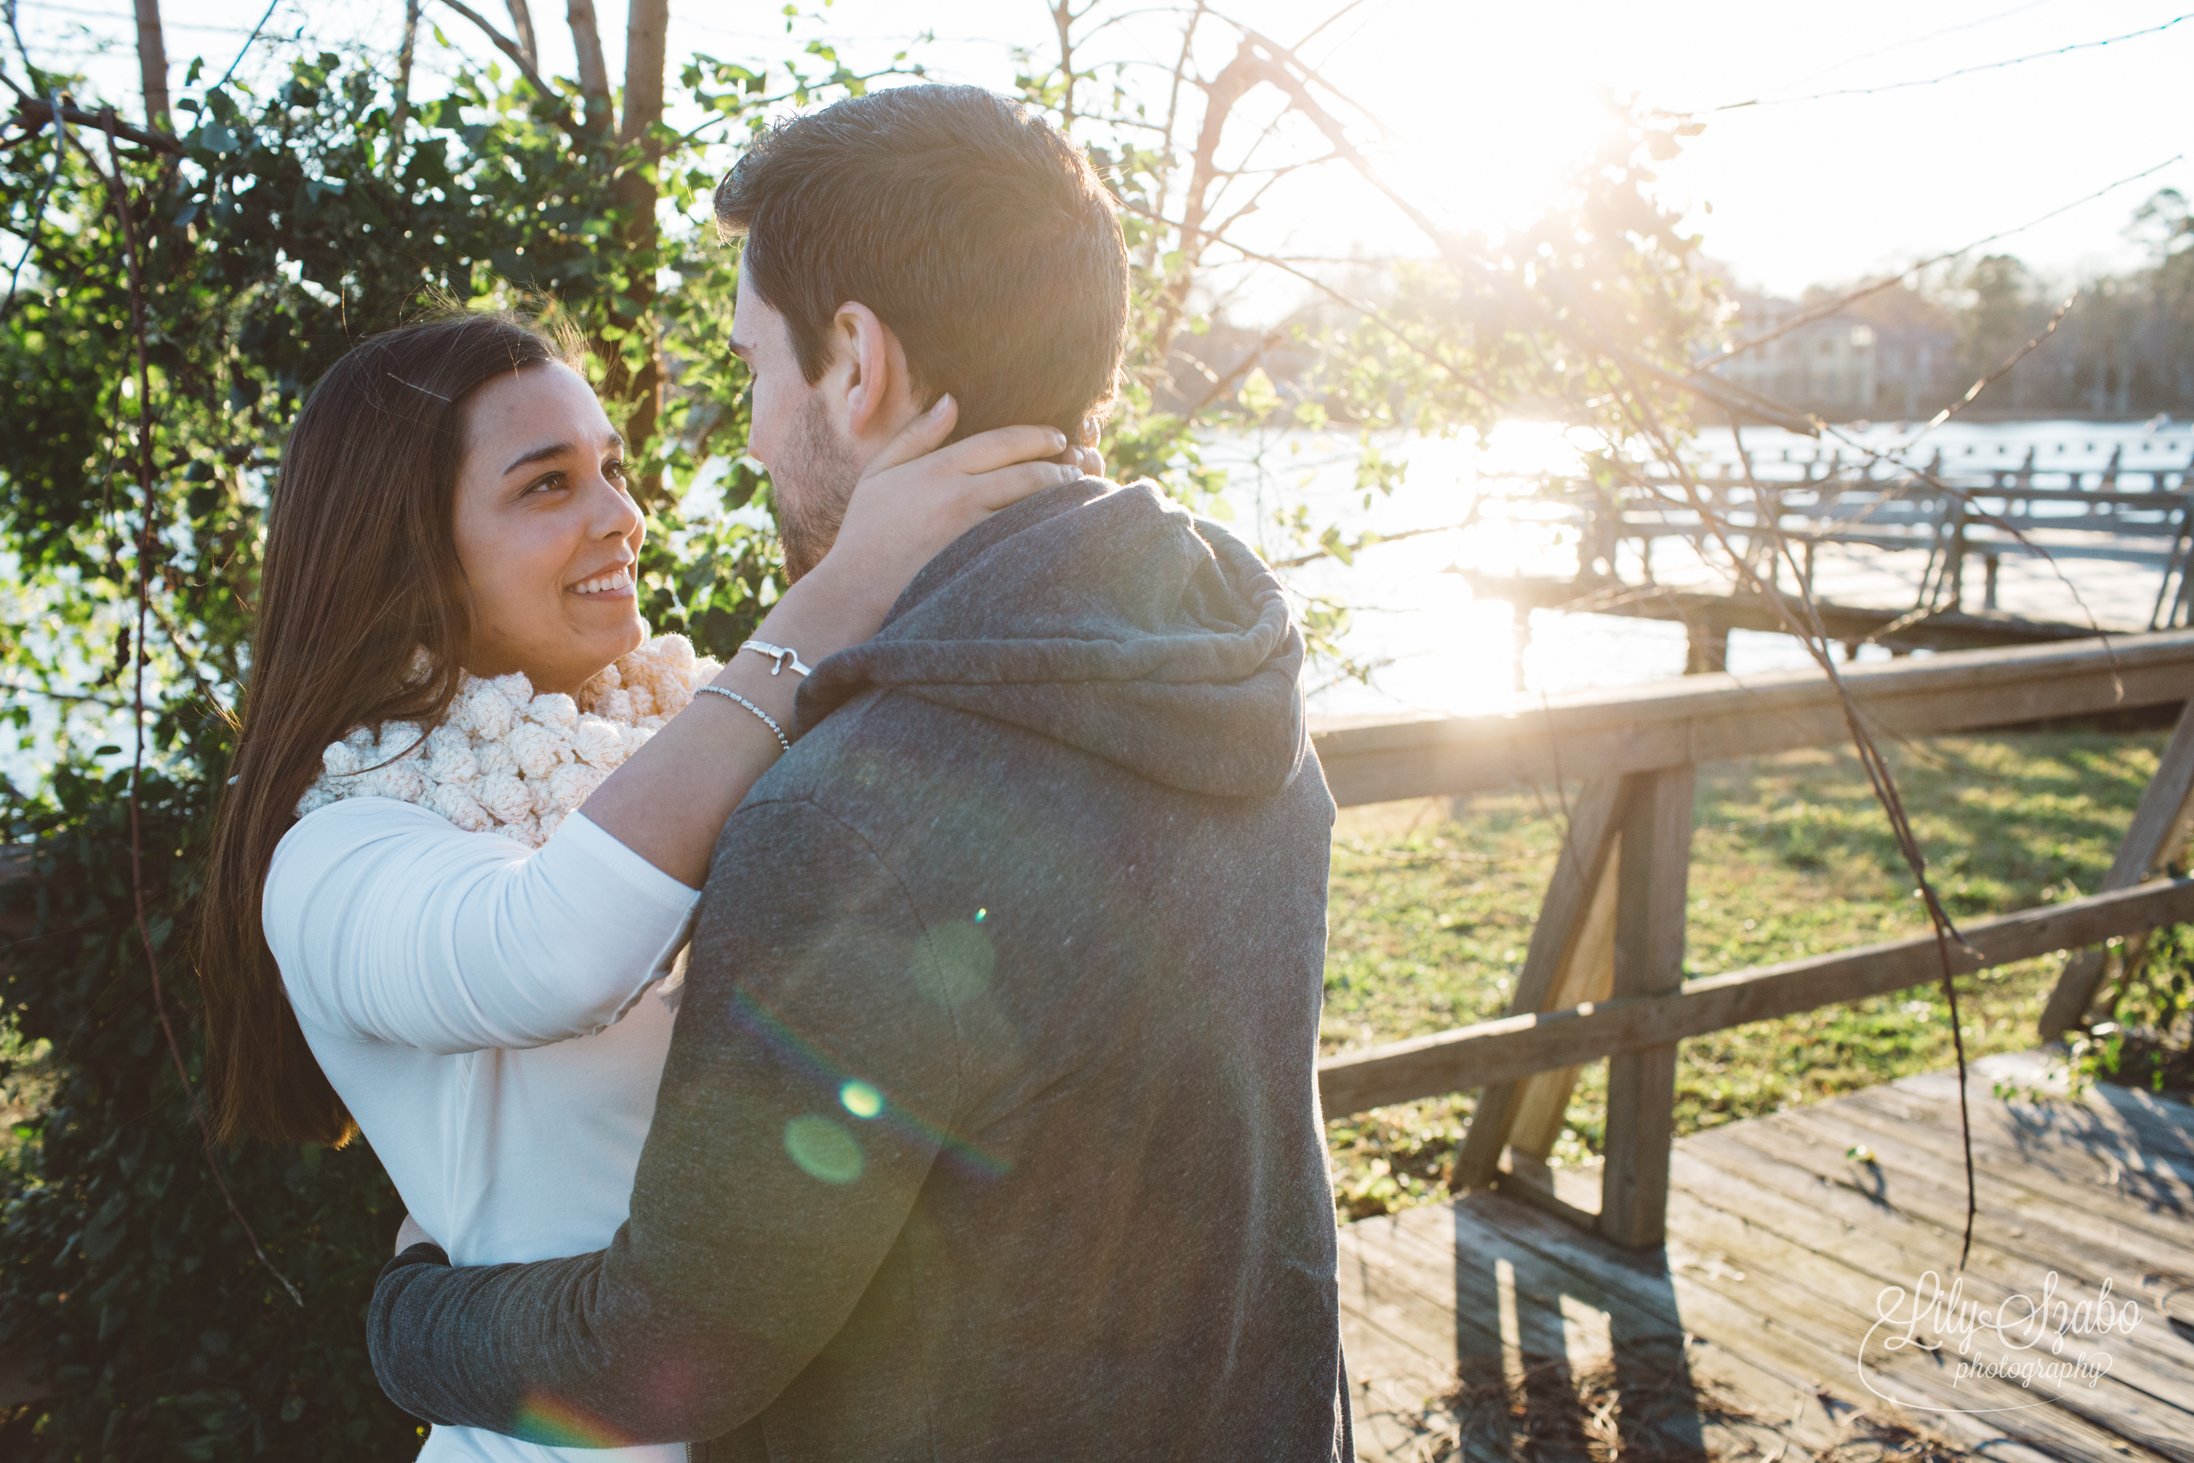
360,569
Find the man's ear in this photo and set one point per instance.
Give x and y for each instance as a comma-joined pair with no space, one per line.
879,397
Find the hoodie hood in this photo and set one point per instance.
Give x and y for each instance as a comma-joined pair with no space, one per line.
1108,618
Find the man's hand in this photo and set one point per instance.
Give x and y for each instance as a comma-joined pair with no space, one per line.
409,1233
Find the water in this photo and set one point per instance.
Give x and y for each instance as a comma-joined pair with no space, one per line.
1434,647
1437,648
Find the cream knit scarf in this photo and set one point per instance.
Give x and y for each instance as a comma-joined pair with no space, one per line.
504,760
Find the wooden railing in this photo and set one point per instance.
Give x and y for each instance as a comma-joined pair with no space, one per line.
1603,975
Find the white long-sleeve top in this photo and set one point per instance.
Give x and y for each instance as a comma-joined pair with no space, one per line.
484,1011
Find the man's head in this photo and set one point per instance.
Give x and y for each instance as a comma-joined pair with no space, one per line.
902,245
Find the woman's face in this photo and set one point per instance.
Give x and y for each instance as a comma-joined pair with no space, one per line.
546,533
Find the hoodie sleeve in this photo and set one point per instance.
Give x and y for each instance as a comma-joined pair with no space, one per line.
810,1087
389,923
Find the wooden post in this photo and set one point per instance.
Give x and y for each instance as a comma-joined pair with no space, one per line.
2159,827
1954,564
1649,961
1706,648
1594,822
1541,1101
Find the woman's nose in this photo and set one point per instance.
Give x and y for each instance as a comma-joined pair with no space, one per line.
616,515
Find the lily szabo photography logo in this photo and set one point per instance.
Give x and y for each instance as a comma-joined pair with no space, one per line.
2050,1343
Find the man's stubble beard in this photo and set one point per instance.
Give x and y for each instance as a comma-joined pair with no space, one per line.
814,481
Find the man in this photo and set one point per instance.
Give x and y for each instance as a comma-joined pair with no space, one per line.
990,1127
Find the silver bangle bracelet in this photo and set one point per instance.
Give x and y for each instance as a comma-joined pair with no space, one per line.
767,720
782,654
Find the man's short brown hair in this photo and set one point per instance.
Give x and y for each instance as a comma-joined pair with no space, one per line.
975,230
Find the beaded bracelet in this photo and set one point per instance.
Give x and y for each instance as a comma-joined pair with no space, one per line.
767,720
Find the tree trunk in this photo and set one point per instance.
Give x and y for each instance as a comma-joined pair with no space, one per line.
1062,20
586,39
152,62
521,21
647,28
1220,94
640,383
401,112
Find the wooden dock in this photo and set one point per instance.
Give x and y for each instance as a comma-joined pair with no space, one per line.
1489,1328
2136,511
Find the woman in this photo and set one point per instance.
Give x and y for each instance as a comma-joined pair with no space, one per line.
444,951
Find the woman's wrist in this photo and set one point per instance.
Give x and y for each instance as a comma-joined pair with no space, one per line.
820,616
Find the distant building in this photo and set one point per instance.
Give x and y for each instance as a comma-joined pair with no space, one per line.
1890,355
1825,366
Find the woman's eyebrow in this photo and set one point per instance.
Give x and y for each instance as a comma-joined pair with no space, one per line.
538,454
614,443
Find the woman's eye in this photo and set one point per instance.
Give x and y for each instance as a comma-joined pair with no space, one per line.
545,482
614,470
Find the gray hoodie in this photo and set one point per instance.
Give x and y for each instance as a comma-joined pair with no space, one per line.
990,1127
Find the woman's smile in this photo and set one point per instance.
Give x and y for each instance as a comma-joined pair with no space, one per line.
616,584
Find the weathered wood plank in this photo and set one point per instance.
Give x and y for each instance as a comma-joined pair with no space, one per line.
1929,1175
1808,1171
1588,974
2078,1139
1553,961
1474,1228
1769,1256
1790,1280
1879,1254
2128,1400
2106,1113
2159,826
1516,1046
1649,962
2043,1132
1710,717
1766,1333
2083,1181
1384,1267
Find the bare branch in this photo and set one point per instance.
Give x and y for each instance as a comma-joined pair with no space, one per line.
1221,385
1220,94
1368,311
504,44
521,21
33,115
1373,540
1173,114
15,688
1329,20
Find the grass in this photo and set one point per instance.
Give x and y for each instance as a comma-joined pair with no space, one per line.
1432,904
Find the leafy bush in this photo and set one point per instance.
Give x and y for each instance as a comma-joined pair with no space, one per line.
278,235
